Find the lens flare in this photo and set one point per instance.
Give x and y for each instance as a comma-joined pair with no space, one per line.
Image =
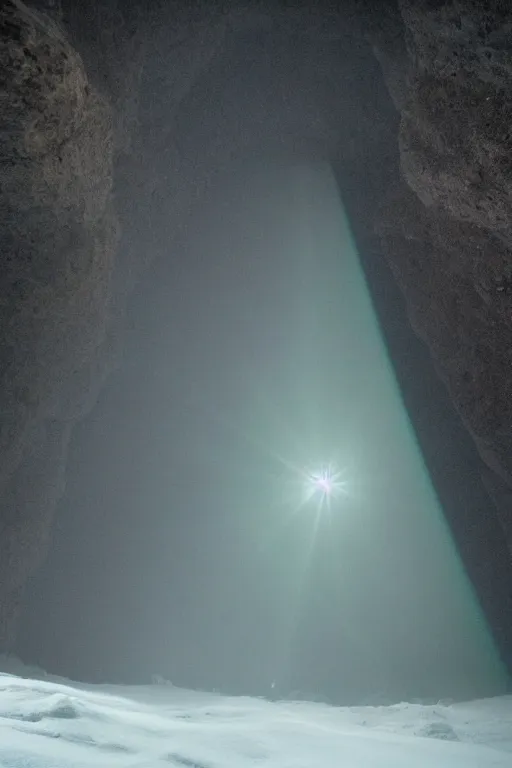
325,485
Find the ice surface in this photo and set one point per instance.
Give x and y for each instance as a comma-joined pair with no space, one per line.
50,723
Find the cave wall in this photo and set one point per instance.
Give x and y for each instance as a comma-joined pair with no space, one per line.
446,225
58,236
106,144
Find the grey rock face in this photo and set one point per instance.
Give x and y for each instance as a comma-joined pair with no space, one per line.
447,229
58,237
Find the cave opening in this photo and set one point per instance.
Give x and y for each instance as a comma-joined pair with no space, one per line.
184,546
121,596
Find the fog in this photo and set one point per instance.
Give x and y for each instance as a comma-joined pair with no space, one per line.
184,545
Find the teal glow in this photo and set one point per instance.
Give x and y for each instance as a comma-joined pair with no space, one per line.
359,568
386,560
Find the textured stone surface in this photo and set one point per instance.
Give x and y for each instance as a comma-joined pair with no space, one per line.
58,237
68,127
447,227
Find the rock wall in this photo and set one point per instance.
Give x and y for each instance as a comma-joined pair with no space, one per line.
77,156
58,236
446,225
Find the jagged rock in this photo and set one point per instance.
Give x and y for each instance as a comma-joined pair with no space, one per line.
450,242
450,273
65,128
58,236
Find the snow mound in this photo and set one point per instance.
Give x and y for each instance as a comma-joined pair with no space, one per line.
52,723
56,706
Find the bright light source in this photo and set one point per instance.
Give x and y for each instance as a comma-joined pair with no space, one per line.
325,484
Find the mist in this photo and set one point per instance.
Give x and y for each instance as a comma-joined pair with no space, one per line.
186,546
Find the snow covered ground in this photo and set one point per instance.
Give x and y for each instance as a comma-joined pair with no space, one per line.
51,723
